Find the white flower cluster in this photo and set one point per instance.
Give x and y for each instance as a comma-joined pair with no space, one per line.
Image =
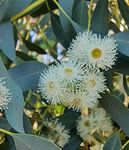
5,95
94,51
96,123
57,132
78,82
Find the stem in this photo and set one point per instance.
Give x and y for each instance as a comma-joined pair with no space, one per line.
28,9
89,15
125,144
43,116
6,132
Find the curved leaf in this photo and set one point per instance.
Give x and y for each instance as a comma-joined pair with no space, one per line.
99,21
31,142
7,44
121,66
122,39
80,13
117,110
32,47
3,7
15,7
14,113
58,30
4,124
26,75
113,143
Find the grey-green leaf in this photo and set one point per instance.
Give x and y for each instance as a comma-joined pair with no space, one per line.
116,110
80,13
31,142
113,143
14,113
3,7
122,39
26,75
7,44
99,21
15,7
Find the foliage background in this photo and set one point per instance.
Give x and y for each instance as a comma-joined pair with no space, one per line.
29,33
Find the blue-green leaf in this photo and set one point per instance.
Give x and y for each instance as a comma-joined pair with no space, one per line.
31,142
122,39
69,26
121,66
14,113
4,124
15,7
116,110
3,7
113,143
26,75
67,6
69,118
74,143
7,44
99,21
59,31
80,13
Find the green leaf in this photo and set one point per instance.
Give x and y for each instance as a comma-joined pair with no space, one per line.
67,6
26,75
113,27
27,124
14,113
74,143
3,7
15,7
69,119
58,30
70,27
122,39
32,47
43,9
31,142
24,56
99,21
4,124
124,9
109,79
121,66
80,13
117,110
7,44
113,143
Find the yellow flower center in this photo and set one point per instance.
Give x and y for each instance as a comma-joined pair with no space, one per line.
50,86
96,53
68,71
92,83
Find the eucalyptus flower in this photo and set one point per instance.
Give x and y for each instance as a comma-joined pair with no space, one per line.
97,121
94,82
93,50
5,95
49,86
57,132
